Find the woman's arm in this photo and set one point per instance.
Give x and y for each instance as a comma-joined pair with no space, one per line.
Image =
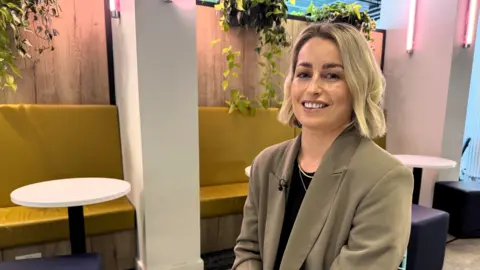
381,226
247,251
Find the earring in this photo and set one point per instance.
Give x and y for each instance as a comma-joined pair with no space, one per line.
298,123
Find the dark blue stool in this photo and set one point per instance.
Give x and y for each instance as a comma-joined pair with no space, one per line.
461,199
428,237
90,261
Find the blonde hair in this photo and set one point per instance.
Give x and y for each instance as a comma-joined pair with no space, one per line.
362,74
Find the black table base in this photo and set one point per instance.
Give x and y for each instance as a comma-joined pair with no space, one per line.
76,224
417,184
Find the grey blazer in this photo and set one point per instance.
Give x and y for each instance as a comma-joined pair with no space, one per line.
356,214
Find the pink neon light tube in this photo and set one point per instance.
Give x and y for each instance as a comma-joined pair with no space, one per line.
411,25
472,14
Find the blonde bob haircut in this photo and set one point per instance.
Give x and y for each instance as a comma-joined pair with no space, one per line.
362,74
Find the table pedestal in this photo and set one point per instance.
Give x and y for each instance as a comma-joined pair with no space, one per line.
76,224
417,184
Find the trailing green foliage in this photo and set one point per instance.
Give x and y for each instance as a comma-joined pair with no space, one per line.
19,20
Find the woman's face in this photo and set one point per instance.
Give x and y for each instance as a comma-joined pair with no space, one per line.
320,96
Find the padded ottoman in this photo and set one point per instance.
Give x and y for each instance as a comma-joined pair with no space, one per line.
91,261
428,237
462,201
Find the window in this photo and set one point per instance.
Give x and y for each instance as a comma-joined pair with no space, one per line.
372,6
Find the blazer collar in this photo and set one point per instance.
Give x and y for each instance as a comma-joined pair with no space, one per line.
337,156
317,203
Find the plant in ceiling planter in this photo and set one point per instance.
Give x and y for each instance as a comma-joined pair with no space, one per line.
19,20
266,17
343,13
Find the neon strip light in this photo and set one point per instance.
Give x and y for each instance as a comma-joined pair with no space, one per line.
411,25
472,12
115,8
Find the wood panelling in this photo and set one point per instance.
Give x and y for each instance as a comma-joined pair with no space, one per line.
76,72
220,233
211,62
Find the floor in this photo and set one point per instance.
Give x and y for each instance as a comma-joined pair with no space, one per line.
463,254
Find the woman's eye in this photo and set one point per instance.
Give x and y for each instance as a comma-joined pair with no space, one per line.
303,75
332,76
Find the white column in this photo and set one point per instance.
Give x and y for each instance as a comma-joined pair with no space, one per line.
156,86
427,91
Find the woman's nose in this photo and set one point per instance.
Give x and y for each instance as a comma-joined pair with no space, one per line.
315,87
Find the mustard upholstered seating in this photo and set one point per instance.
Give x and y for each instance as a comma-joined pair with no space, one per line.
228,144
45,142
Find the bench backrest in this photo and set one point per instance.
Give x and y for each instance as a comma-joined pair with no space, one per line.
45,142
230,142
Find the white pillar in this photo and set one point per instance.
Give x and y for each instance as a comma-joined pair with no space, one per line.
427,91
157,96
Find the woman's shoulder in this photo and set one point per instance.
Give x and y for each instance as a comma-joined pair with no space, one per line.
273,153
373,162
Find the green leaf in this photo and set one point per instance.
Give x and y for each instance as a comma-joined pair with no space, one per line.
240,5
235,95
293,2
9,79
264,102
226,50
225,73
212,43
356,9
232,108
242,106
219,6
224,85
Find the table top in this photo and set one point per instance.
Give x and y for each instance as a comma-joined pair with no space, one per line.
426,162
70,192
247,171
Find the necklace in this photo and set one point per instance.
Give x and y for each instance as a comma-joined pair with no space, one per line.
300,172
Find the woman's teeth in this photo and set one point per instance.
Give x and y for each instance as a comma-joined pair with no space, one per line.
310,105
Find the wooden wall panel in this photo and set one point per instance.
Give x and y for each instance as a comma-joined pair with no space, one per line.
76,72
211,62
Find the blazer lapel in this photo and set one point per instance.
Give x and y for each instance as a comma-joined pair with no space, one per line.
317,203
276,203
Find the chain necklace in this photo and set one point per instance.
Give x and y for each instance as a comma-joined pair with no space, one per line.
300,172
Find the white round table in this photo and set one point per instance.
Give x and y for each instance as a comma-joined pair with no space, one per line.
247,171
418,163
73,193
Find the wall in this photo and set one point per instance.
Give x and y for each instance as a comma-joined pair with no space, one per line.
156,81
426,91
211,62
76,71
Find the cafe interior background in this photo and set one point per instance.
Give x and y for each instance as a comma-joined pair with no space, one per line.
172,100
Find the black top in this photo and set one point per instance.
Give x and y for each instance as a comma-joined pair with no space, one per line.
296,193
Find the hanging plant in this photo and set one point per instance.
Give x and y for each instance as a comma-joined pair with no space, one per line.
20,19
343,13
266,17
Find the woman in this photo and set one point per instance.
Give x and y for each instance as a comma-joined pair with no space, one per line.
331,199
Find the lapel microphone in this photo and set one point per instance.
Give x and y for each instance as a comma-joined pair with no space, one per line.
282,184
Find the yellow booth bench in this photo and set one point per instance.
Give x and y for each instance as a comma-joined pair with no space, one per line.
46,142
228,144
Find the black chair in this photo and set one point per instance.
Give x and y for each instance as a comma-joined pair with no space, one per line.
461,199
428,237
91,261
